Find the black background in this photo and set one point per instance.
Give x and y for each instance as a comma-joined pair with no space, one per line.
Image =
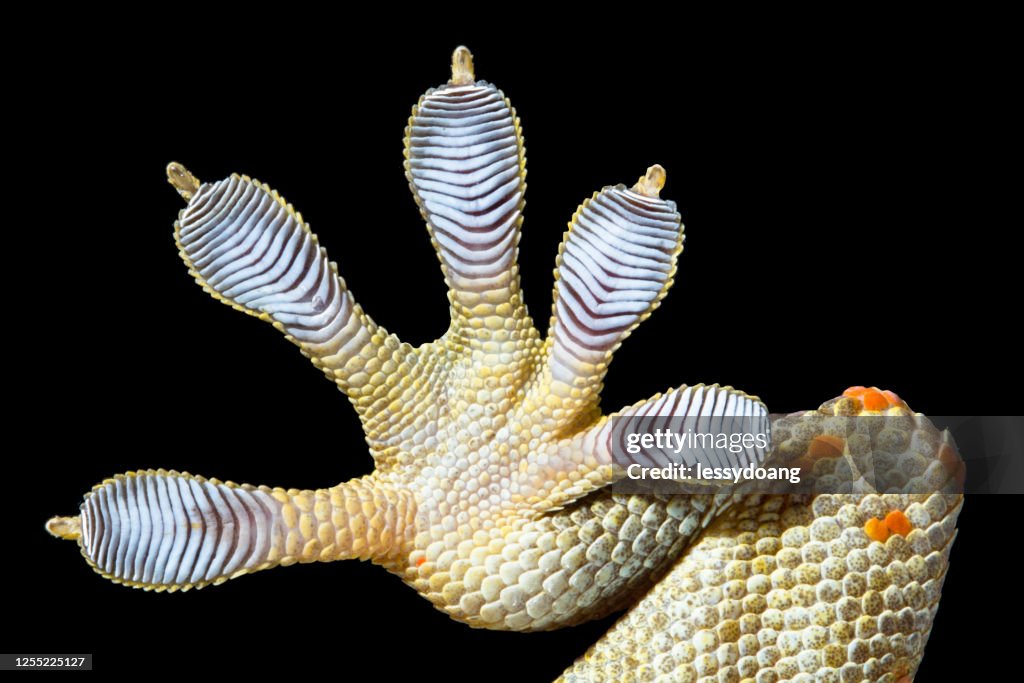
829,243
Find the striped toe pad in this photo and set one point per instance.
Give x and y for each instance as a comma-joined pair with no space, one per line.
465,163
616,263
707,409
167,531
249,248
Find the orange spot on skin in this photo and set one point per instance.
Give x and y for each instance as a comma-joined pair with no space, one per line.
894,523
874,400
419,562
949,457
825,446
876,529
894,400
950,460
905,679
898,523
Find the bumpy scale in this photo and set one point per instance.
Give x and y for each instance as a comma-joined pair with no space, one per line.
491,493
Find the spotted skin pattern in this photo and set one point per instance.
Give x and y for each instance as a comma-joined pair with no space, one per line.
492,491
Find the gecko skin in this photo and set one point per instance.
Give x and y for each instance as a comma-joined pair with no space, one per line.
491,494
